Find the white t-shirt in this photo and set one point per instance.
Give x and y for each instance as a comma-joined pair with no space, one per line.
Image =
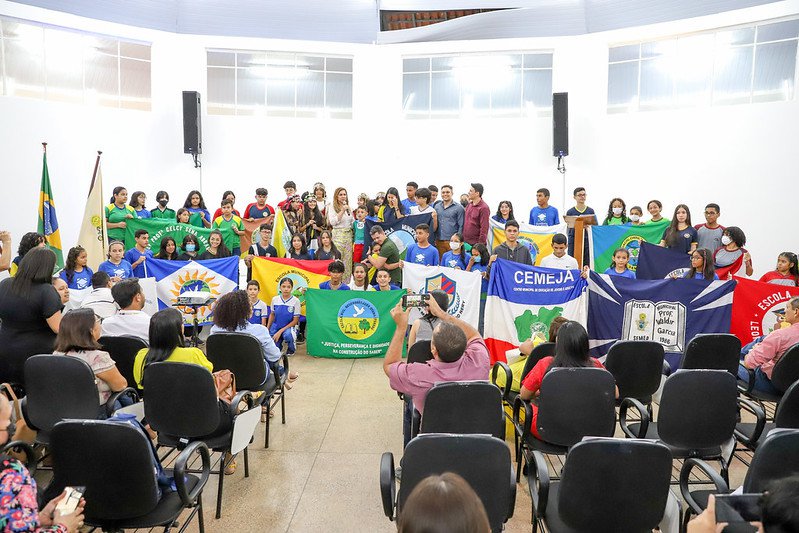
566,262
101,302
415,210
354,287
134,323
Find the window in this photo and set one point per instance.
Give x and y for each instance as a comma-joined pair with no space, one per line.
727,66
38,61
281,84
508,84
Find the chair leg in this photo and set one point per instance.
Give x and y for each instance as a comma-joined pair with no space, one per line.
219,489
519,463
200,519
246,463
283,405
266,429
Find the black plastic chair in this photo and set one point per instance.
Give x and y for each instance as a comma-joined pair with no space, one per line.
182,406
713,351
606,486
113,461
420,352
61,387
637,368
775,458
123,350
483,461
784,374
546,349
786,417
696,416
574,403
241,354
464,407
24,448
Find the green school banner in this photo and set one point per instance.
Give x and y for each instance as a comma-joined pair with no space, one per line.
604,240
159,228
350,324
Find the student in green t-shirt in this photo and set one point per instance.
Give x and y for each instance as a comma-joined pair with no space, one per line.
388,257
234,222
161,210
116,214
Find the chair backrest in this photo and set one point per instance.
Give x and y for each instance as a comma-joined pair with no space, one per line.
545,349
112,460
698,409
59,387
483,461
787,415
786,370
420,352
576,403
241,354
713,351
610,485
464,407
776,457
123,350
637,368
181,399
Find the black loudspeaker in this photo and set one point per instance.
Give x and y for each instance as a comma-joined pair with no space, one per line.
560,124
192,132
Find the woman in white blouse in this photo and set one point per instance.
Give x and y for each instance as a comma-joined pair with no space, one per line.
339,217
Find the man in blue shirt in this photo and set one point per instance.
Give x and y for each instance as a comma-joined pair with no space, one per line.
422,253
450,219
543,214
336,271
138,255
410,201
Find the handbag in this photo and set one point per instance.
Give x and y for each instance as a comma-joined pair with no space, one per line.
23,432
225,382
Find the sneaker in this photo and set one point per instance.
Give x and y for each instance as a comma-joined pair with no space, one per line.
301,338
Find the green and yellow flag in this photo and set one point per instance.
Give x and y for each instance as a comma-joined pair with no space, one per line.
158,228
48,222
605,240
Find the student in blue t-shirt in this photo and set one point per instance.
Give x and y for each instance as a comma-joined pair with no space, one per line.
336,271
619,267
285,316
260,311
422,252
116,267
76,273
139,254
456,257
478,262
543,214
702,266
383,279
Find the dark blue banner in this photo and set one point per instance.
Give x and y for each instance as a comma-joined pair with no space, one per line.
656,262
402,232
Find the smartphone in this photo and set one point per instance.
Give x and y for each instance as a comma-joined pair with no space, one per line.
70,502
414,300
738,508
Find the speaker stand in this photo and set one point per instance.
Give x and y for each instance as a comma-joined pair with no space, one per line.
562,170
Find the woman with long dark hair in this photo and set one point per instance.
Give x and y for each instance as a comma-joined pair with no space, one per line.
298,248
701,265
137,200
77,275
216,247
617,213
28,242
786,272
167,249
314,220
504,212
680,236
392,210
30,310
326,250
196,204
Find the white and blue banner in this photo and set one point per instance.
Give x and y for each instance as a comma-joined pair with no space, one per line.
670,312
214,276
462,288
523,300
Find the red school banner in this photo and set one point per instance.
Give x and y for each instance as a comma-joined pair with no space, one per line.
754,307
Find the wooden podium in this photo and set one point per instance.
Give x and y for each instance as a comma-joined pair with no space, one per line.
578,223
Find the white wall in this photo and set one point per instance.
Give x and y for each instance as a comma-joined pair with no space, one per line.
742,157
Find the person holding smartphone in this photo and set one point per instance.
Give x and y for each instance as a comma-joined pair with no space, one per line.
18,511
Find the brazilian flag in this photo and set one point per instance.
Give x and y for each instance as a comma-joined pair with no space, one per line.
48,221
350,324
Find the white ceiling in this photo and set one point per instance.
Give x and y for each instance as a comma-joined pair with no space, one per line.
357,21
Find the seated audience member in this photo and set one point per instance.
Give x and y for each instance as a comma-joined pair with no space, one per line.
732,251
18,508
456,256
260,311
680,236
285,316
359,281
259,208
138,255
786,273
636,213
5,251
701,265
571,350
708,235
327,249
383,279
422,328
100,299
525,349
117,267
77,275
77,337
459,353
512,249
161,210
216,247
443,503
765,354
30,311
559,258
543,214
421,252
167,249
190,247
617,214
130,319
336,283
62,289
28,242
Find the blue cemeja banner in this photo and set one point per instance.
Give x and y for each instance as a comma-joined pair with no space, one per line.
401,232
670,312
214,276
656,262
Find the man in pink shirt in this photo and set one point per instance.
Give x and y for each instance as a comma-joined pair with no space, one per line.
475,219
765,355
459,354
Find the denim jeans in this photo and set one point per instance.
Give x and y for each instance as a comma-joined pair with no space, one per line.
762,381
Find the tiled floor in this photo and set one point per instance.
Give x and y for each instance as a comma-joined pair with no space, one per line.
321,471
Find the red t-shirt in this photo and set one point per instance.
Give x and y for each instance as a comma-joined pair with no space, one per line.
218,213
778,279
532,382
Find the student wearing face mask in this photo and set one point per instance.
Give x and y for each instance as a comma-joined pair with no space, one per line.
478,262
456,256
732,252
190,247
635,215
617,213
161,210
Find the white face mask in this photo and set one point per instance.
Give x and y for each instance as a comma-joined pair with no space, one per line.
617,211
635,218
725,240
454,245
